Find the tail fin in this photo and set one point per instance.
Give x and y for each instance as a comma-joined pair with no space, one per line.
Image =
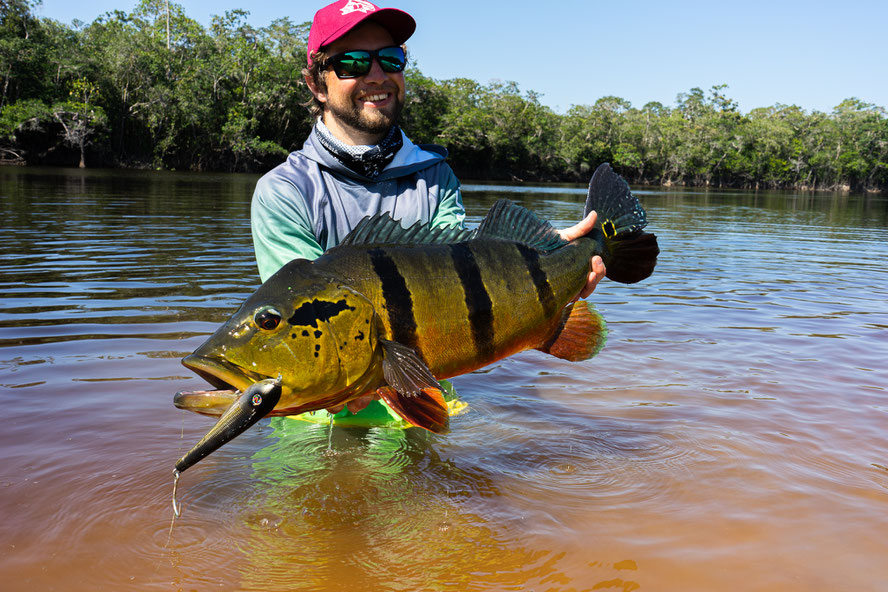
630,254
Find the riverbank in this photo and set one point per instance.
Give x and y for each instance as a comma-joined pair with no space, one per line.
648,184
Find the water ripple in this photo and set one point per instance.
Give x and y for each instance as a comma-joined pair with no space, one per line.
735,419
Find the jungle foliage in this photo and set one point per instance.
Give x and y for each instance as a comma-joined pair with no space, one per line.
154,88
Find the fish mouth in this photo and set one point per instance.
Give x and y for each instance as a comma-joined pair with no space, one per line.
229,379
220,373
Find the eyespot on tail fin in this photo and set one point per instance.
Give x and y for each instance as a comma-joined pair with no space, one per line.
580,335
618,209
630,254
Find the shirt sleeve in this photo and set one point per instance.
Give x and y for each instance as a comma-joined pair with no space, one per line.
451,211
281,226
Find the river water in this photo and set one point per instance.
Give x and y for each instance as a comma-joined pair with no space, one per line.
732,435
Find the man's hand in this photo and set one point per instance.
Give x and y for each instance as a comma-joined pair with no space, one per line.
596,265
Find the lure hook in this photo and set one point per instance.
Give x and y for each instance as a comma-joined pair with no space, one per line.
177,508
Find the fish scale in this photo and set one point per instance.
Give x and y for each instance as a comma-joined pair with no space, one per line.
462,306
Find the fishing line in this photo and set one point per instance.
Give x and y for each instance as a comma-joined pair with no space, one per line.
177,508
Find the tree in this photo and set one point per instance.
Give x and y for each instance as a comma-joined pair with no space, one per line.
154,87
22,63
80,119
18,121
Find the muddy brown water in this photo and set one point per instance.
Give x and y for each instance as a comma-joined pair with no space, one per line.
730,436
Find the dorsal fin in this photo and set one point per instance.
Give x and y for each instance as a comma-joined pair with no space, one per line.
381,229
509,221
506,220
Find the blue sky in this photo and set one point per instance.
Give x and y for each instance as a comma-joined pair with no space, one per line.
812,54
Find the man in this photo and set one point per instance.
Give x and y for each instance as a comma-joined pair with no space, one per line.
356,161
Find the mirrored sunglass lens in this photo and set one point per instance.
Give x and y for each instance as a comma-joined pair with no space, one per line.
392,59
353,64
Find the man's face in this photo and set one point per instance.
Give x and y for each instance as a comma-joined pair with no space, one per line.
369,105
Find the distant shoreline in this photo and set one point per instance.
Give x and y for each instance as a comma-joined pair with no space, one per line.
466,181
160,91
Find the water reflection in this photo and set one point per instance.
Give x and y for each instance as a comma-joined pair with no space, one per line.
378,509
377,500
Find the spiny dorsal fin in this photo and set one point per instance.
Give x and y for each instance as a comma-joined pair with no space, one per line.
509,221
505,220
381,229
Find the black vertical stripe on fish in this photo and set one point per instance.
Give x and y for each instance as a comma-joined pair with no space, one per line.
478,301
398,300
544,289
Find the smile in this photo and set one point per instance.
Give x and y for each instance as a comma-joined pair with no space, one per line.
375,98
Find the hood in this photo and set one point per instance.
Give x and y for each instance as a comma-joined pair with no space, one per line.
409,159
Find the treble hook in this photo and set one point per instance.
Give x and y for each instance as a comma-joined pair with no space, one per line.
177,508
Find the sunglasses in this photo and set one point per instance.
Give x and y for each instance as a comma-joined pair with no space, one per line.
356,63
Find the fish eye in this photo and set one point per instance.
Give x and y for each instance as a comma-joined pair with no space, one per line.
267,319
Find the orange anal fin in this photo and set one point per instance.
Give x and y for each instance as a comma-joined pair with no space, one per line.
580,335
426,409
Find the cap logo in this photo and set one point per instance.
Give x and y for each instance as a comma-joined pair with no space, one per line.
357,6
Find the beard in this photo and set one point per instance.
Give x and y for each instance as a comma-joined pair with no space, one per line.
368,121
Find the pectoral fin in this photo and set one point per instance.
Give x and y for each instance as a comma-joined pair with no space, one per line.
413,392
580,335
404,370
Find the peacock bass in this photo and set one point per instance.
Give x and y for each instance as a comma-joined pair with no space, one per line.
390,310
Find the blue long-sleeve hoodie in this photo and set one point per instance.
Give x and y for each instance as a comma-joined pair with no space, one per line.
310,202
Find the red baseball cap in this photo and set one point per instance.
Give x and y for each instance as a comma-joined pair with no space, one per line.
335,20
